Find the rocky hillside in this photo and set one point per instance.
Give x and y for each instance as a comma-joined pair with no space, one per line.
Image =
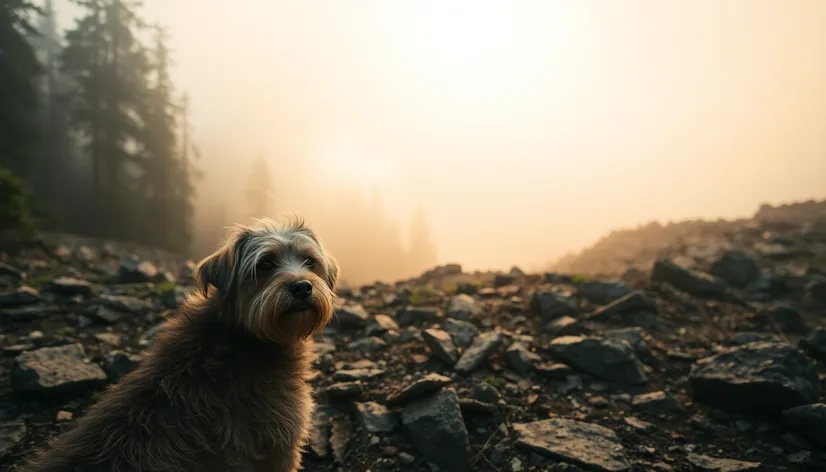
709,358
699,239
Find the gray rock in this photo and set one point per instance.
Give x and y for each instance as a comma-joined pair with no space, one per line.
383,324
23,296
411,333
656,402
12,433
351,316
521,359
634,301
56,370
485,392
587,445
634,336
471,406
376,418
478,352
692,282
809,420
553,371
816,290
441,345
463,307
561,326
553,303
29,313
501,280
120,363
371,344
746,337
639,425
714,464
69,287
175,297
784,317
815,344
343,390
612,360
364,373
322,348
757,376
131,272
410,315
122,303
437,430
419,388
603,292
106,315
462,332
737,268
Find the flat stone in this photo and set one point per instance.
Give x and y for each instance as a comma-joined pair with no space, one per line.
357,374
384,323
737,268
441,345
520,359
410,315
554,371
714,464
462,332
602,292
809,420
351,316
694,283
586,445
634,301
553,303
69,287
635,336
419,388
320,431
639,425
122,303
131,272
478,353
463,307
783,317
612,360
341,432
656,402
561,326
472,406
29,313
485,392
56,370
371,344
23,296
757,376
376,418
437,430
343,389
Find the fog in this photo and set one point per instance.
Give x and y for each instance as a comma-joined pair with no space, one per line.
522,129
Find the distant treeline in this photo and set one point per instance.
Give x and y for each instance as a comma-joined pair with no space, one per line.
91,122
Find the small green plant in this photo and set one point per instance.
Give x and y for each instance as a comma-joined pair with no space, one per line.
67,331
38,282
164,288
578,279
14,205
491,380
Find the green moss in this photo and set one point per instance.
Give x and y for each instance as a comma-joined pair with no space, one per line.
492,380
67,331
14,205
580,278
38,282
164,288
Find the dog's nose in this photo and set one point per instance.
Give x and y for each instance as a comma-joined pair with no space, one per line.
301,289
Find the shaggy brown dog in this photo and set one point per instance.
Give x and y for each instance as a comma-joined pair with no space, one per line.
223,388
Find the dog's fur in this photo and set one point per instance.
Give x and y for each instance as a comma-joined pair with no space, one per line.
224,387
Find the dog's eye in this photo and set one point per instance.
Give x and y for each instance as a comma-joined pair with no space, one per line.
266,264
309,263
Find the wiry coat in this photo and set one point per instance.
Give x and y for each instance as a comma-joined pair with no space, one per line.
208,398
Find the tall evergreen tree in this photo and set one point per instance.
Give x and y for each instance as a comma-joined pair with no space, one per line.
259,193
19,69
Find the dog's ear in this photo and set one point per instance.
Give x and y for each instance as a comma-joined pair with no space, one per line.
219,269
332,272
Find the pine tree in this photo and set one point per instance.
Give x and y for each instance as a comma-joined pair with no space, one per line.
259,193
19,69
108,67
423,252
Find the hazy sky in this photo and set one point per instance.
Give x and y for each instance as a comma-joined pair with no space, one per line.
524,128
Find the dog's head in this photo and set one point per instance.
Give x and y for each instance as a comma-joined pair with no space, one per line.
277,281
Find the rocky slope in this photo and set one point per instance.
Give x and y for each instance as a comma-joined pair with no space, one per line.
703,360
640,247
